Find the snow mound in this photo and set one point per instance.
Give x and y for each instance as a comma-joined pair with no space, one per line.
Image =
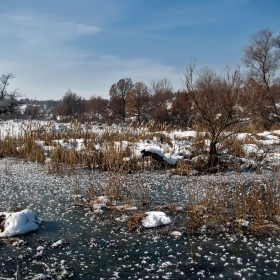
19,222
176,234
58,243
155,219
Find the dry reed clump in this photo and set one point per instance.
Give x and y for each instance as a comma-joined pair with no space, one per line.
110,157
199,151
22,147
8,146
121,192
233,146
58,146
213,207
114,189
248,209
116,194
161,137
119,198
182,168
31,151
31,144
134,222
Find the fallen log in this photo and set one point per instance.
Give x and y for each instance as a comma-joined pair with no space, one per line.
159,157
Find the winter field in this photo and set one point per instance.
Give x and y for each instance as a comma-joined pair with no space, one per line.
98,202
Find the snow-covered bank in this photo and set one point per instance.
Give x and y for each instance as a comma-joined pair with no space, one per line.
261,150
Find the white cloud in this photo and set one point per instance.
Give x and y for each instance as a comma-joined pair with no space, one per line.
44,28
40,53
27,37
89,77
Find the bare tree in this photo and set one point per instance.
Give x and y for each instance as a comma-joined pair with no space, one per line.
161,100
182,109
60,109
8,100
72,105
216,101
96,107
262,57
138,102
161,92
277,41
118,93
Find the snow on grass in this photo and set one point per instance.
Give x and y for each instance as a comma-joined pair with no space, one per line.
178,147
250,149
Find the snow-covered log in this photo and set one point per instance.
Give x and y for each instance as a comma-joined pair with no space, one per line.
158,156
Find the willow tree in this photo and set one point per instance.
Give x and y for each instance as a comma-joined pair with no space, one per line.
262,58
216,103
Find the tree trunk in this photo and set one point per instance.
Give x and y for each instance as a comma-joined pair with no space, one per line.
212,160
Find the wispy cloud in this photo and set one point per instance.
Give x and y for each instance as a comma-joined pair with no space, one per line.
91,77
39,32
46,63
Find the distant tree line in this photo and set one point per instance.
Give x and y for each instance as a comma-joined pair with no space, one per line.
129,103
212,101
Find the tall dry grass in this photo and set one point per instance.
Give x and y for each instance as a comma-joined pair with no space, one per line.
247,208
212,206
40,143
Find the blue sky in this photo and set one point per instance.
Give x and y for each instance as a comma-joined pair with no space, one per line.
88,45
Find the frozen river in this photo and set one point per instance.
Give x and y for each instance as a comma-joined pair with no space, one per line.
78,243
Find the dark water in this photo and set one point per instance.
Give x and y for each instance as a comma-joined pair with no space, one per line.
97,246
